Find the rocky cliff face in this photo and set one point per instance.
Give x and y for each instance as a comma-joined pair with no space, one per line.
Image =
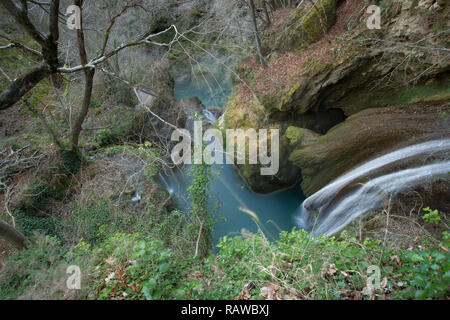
325,66
364,136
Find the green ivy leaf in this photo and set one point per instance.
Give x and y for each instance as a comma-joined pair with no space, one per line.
420,294
416,258
164,267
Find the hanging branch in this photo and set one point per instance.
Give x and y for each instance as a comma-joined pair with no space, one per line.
13,236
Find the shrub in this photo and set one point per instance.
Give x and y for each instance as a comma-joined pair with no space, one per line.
29,225
432,216
427,273
104,136
88,221
36,196
134,267
71,162
36,272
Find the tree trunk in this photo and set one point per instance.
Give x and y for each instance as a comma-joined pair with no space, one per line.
89,82
266,12
255,28
76,130
19,87
11,235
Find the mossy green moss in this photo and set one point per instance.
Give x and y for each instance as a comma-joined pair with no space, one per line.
303,27
362,136
300,136
243,113
437,89
36,197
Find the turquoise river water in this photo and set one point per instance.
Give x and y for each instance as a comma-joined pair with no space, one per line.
275,211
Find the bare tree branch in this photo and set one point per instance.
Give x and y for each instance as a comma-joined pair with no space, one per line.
11,235
19,87
21,17
21,46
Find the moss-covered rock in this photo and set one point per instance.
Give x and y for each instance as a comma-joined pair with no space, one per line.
287,175
307,24
301,137
314,81
365,135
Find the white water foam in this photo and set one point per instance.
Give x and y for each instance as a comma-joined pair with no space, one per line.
210,117
334,211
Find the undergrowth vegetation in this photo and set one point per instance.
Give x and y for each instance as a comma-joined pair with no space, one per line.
143,266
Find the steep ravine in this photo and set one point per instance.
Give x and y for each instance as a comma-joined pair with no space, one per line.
336,99
352,92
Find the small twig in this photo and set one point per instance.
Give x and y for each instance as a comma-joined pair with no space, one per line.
198,239
6,201
5,75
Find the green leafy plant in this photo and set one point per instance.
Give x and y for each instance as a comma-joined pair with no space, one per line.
427,272
202,176
103,136
36,196
432,216
88,221
385,5
28,225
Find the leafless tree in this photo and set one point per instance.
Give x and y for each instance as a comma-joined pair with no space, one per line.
50,51
255,27
49,65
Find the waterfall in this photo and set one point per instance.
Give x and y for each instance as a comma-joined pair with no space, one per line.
165,183
349,197
137,197
163,180
209,116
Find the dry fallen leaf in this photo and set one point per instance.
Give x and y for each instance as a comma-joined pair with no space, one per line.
367,291
384,282
110,260
110,277
267,293
245,296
